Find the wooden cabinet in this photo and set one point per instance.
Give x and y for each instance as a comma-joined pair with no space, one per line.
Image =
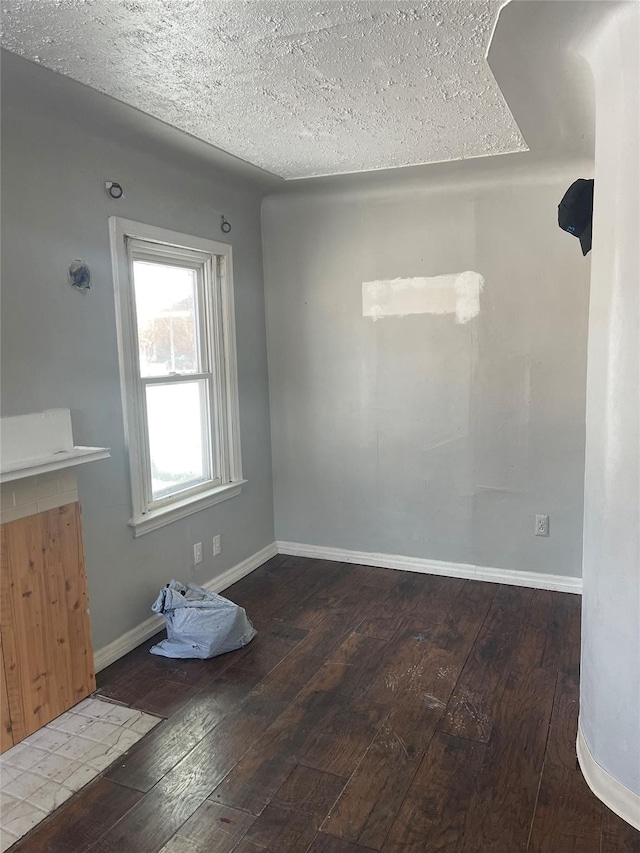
6,735
47,654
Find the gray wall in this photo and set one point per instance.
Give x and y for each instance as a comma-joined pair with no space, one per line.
416,436
60,141
610,682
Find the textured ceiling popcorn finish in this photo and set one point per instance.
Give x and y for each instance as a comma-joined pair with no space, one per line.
297,88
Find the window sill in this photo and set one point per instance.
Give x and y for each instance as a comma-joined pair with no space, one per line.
156,518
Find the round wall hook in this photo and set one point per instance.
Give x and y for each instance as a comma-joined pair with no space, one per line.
114,189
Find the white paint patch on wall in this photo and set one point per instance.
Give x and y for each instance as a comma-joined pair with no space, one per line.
454,293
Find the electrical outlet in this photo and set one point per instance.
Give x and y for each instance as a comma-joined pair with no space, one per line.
216,546
542,525
197,553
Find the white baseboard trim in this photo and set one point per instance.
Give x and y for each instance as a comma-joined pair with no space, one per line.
606,787
537,580
128,641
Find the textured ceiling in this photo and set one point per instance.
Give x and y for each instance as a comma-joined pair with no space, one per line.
297,88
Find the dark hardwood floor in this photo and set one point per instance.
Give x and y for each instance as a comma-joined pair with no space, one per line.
375,710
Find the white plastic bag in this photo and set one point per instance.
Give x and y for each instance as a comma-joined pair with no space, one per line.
200,623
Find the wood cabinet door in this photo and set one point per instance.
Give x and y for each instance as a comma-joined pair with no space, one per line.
46,633
6,735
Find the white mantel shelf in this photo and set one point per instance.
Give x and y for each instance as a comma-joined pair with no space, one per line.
53,462
39,443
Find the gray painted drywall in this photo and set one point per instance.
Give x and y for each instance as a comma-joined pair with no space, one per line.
610,682
416,436
60,141
534,56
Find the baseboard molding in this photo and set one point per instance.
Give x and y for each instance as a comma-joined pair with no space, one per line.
606,787
128,641
537,580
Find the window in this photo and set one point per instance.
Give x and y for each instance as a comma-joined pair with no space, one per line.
176,337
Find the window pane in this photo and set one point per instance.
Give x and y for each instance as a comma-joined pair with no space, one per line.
176,417
166,307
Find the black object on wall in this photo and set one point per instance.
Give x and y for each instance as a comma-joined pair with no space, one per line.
575,212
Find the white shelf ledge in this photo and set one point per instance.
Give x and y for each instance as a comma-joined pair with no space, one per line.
52,462
41,442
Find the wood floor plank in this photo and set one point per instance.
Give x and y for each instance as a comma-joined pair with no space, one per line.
433,813
123,667
504,804
212,828
369,803
291,821
332,709
421,603
267,650
344,689
381,579
568,817
126,682
399,602
617,835
343,728
344,592
571,634
355,657
301,665
154,756
145,671
309,791
471,710
326,637
338,753
367,807
328,844
430,643
156,818
563,730
323,729
446,626
165,698
83,820
283,831
126,685
329,704
286,680
269,589
563,632
400,671
464,616
248,847
148,761
254,780
542,621
551,632
196,674
352,594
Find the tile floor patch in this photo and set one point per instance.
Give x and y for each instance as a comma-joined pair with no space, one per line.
41,773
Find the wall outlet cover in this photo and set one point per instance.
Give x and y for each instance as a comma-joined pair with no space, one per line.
542,525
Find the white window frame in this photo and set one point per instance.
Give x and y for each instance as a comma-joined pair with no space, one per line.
218,363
